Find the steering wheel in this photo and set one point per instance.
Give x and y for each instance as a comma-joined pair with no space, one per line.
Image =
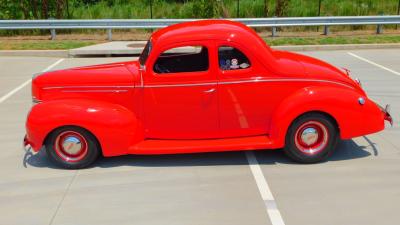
161,69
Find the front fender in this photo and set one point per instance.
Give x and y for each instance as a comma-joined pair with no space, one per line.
352,118
115,127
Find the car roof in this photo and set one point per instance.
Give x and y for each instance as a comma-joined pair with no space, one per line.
214,29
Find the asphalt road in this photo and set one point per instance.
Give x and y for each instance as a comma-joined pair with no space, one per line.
359,185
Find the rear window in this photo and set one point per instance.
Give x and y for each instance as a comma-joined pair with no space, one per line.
231,58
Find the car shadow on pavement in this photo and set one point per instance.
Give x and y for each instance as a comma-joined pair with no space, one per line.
346,150
39,159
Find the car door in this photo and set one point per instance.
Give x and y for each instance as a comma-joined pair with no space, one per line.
245,107
180,93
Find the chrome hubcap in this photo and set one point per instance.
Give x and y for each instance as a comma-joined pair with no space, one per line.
309,136
72,145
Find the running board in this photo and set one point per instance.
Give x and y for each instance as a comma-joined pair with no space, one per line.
156,146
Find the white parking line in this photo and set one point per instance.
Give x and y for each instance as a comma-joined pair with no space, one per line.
263,188
373,63
15,90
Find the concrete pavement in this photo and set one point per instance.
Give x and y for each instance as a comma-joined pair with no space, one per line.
122,48
360,184
134,48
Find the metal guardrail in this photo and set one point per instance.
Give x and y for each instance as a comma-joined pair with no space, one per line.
110,24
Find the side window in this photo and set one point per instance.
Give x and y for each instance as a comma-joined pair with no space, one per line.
182,59
231,58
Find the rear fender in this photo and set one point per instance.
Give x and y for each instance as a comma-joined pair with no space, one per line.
340,103
115,127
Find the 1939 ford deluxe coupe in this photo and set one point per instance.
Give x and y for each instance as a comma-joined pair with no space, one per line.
204,86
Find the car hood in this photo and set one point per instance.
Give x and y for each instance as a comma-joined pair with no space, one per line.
120,73
293,64
113,75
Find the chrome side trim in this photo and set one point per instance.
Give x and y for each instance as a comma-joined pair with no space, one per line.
247,81
203,84
93,91
180,85
71,87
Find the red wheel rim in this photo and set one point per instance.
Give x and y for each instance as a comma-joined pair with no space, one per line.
71,146
311,137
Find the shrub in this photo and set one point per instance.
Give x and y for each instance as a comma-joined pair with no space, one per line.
205,9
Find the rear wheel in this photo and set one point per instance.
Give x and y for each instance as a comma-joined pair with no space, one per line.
72,147
311,138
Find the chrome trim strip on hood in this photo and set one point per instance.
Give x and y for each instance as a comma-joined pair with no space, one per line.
94,91
72,87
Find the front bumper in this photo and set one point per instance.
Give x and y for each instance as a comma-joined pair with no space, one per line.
26,144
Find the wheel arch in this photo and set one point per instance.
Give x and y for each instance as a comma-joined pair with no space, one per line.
343,110
326,114
115,127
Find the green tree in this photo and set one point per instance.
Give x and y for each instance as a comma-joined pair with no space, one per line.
32,9
9,9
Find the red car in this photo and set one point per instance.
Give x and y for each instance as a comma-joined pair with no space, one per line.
204,86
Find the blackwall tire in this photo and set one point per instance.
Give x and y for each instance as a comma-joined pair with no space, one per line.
72,147
311,138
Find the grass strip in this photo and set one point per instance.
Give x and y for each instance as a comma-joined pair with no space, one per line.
43,44
376,39
323,40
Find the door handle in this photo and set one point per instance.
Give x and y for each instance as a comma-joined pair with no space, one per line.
210,91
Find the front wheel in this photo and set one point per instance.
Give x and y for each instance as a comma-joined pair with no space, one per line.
311,138
72,147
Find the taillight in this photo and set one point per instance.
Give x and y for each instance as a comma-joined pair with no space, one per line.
358,81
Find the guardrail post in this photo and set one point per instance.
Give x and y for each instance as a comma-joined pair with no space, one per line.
379,29
53,34
326,30
274,31
109,34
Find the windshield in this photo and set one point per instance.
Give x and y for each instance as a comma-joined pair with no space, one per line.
145,53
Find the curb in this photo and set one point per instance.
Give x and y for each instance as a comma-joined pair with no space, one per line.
36,53
136,51
104,53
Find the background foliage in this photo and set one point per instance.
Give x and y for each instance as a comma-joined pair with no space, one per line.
95,9
136,9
